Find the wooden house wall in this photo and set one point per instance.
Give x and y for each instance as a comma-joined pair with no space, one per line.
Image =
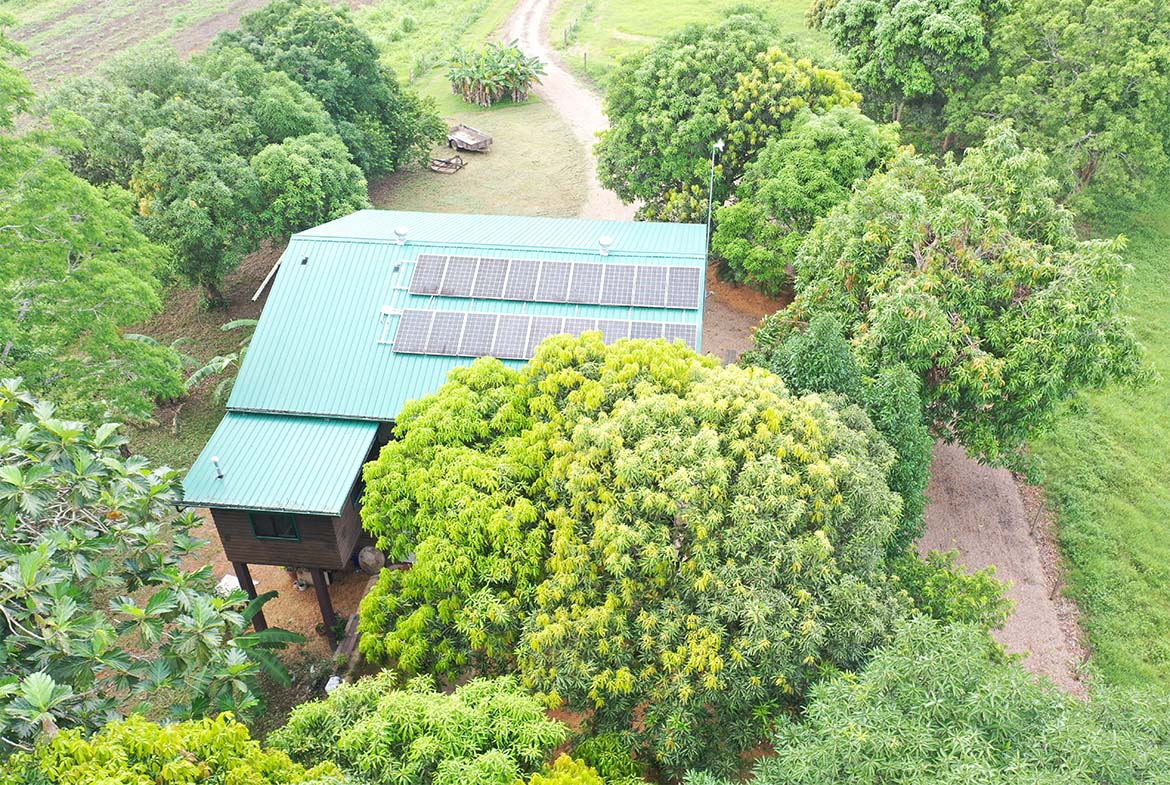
322,544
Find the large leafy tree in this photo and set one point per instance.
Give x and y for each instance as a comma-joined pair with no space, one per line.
1086,81
972,276
913,52
940,707
213,751
97,614
487,732
305,181
73,272
319,47
796,179
668,106
674,546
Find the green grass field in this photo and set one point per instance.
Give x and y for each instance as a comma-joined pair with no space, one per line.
1107,471
599,32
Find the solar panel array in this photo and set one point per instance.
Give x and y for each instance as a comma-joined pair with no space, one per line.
536,280
514,336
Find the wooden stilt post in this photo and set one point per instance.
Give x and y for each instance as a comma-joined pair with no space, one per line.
259,623
326,603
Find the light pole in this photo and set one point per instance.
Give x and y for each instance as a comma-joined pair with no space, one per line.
717,147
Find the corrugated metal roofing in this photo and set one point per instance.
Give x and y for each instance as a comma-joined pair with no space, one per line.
279,463
319,350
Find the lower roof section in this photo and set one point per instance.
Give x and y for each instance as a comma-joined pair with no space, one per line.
279,463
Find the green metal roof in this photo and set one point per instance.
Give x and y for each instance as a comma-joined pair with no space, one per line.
279,463
317,349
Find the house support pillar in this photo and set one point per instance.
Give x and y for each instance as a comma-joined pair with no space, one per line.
328,617
259,623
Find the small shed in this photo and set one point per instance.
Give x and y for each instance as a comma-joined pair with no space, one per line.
373,310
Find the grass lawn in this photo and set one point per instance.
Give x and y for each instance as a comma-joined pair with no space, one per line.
1107,471
600,31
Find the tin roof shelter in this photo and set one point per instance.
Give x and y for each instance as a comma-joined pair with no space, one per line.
372,310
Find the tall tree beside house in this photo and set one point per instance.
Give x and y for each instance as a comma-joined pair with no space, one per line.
673,547
972,276
97,614
319,46
668,105
1087,82
74,271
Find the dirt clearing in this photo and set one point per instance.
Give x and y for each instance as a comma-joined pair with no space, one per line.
981,512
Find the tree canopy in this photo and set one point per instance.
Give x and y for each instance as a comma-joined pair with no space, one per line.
97,614
306,181
319,47
1087,82
912,51
938,706
641,532
217,751
668,105
971,275
74,271
485,732
797,178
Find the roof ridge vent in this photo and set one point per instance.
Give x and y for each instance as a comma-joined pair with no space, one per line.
605,242
400,233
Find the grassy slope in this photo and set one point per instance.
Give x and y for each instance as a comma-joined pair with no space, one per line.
607,29
1107,472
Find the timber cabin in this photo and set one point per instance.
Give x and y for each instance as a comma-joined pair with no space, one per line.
372,310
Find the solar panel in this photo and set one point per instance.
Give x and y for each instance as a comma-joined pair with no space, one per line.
511,337
521,283
576,326
446,329
650,287
687,332
478,333
617,288
586,284
646,330
554,282
612,329
459,276
543,327
428,274
413,327
684,288
489,281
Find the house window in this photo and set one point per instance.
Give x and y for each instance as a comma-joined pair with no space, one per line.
274,526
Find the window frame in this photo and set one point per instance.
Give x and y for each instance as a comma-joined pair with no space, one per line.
292,519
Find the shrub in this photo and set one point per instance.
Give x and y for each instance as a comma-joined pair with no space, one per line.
216,751
487,732
566,771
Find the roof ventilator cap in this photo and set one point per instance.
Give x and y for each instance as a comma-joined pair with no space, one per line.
400,233
606,242
218,470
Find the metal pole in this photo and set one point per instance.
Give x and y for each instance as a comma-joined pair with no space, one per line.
718,146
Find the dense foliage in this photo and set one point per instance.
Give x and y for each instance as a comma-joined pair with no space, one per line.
668,106
216,751
912,51
675,546
489,75
73,272
972,276
938,706
304,181
797,178
1088,82
566,771
97,613
820,359
486,732
319,47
